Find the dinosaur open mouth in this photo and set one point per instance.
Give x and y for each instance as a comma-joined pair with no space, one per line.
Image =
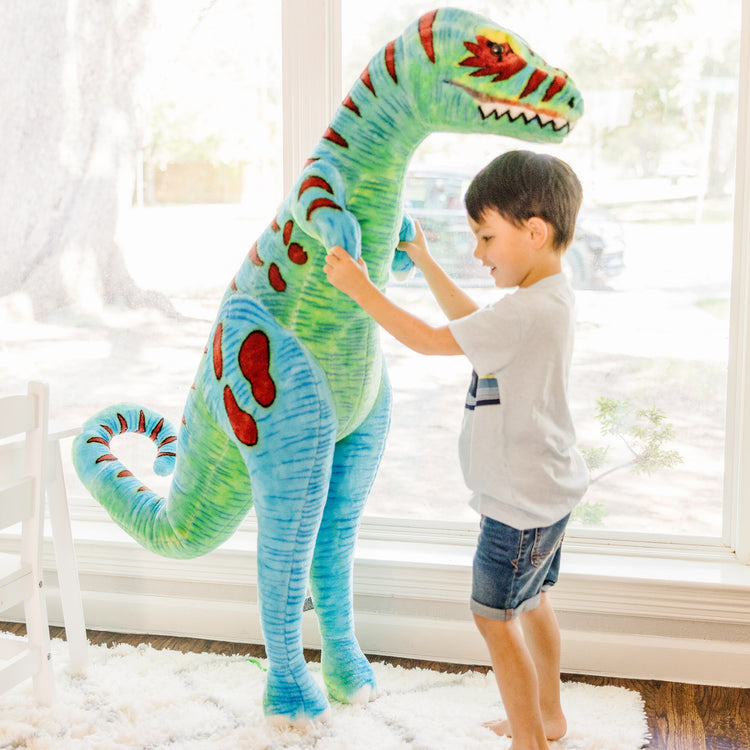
514,111
498,108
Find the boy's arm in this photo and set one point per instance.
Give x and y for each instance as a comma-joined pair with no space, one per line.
350,277
453,301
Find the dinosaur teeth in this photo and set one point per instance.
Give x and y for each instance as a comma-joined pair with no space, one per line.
513,112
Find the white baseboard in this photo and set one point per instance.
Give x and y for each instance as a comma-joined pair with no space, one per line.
431,639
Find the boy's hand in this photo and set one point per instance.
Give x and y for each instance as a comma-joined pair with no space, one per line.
346,274
417,249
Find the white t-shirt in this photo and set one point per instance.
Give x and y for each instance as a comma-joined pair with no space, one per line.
517,444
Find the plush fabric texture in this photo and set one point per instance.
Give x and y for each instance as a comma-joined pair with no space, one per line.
137,698
291,404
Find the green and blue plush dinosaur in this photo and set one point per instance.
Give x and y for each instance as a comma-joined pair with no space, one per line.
290,406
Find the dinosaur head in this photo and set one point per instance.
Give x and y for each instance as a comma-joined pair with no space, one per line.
474,76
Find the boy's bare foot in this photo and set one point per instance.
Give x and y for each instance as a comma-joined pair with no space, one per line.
554,727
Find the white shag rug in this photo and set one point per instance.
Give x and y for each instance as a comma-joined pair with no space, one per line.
139,697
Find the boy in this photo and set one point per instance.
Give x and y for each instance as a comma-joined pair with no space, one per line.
517,444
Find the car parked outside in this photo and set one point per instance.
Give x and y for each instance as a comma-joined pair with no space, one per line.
435,199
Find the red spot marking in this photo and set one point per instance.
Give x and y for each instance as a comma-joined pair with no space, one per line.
275,278
557,84
321,203
217,356
288,227
275,224
106,457
170,439
488,63
183,420
312,160
125,473
243,425
155,432
311,182
334,137
425,34
365,78
123,423
534,82
233,286
141,422
390,60
254,257
297,254
98,440
349,104
255,361
143,488
108,429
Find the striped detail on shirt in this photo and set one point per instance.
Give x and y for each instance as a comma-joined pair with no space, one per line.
482,391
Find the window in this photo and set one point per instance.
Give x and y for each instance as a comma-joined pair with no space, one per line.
652,263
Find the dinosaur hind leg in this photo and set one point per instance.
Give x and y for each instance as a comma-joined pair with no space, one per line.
266,390
346,672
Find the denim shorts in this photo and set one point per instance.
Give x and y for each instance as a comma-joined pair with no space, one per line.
512,567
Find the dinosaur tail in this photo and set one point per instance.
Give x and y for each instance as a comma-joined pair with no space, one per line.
210,489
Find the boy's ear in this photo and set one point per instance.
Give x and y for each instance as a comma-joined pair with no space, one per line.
539,230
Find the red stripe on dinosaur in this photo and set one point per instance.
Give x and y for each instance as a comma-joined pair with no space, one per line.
106,457
288,227
170,439
297,254
155,432
108,429
141,422
534,82
275,224
216,355
253,255
255,361
98,440
243,424
275,278
558,82
123,423
334,137
311,182
124,473
365,78
349,104
425,34
390,60
321,203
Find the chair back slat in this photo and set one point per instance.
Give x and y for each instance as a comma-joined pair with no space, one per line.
16,502
17,415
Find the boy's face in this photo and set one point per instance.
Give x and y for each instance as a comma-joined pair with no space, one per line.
508,250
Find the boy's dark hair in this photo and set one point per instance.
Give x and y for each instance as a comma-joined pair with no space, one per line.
522,184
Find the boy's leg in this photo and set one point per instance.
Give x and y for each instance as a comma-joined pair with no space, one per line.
542,636
516,677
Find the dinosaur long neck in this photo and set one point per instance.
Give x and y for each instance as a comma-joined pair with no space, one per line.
374,133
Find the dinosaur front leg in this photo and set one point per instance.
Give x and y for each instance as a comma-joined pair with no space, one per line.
269,394
347,673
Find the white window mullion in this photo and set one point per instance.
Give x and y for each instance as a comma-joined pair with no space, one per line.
737,483
311,76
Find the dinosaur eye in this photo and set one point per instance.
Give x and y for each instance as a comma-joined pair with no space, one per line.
572,102
496,49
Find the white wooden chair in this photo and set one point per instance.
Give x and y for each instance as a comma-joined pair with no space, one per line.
22,501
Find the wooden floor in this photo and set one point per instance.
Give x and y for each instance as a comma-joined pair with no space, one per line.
680,716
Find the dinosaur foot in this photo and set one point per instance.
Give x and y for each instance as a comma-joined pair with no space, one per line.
347,674
294,702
